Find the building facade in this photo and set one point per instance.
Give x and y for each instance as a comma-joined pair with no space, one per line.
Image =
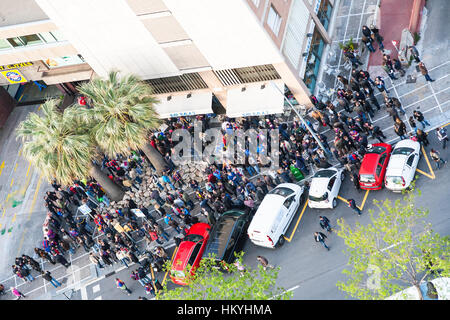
238,56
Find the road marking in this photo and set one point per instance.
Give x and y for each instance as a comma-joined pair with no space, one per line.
12,181
21,242
298,221
4,211
35,197
14,217
364,200
96,288
432,175
28,170
1,167
15,168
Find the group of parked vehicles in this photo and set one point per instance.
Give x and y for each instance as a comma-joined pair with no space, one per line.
382,165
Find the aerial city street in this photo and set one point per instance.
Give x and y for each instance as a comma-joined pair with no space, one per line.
224,150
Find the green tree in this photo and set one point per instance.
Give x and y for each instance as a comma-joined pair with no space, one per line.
59,145
122,116
398,249
209,283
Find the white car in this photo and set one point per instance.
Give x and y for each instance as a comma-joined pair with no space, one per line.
324,188
274,215
402,165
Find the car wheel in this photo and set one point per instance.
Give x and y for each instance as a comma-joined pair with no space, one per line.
342,176
334,203
281,241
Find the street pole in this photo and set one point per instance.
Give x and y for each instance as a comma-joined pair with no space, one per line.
303,121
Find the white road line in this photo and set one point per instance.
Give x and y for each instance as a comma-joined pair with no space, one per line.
83,291
96,288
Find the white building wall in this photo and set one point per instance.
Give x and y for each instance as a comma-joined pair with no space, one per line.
226,32
109,35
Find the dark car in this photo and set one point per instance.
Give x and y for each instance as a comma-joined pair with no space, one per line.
228,235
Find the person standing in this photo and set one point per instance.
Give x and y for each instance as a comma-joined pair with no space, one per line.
400,128
264,262
95,260
379,83
414,52
398,67
352,204
441,133
422,137
424,71
320,237
325,223
46,275
122,286
376,36
419,117
435,155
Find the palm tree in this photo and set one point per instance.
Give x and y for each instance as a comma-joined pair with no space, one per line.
122,116
59,144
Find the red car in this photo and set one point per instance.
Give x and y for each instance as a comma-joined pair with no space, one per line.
190,252
373,166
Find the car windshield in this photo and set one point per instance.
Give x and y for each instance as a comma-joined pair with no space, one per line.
193,237
318,199
377,150
394,180
284,192
324,173
367,178
403,150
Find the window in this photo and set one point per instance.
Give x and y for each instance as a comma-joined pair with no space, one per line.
194,253
4,44
324,13
282,191
48,37
313,60
410,160
274,20
331,183
382,159
288,202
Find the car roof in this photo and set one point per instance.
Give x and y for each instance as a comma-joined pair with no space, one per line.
200,228
183,254
397,162
369,163
221,232
318,186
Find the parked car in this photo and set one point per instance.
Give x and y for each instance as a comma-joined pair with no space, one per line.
324,188
373,166
402,165
274,215
228,235
436,289
190,252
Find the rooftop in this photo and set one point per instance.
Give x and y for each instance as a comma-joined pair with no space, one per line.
13,12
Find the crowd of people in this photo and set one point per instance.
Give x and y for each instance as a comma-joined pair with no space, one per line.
225,185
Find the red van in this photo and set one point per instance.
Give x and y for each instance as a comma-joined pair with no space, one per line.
373,166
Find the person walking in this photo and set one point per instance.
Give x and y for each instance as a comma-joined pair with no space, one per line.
122,286
325,223
46,275
424,71
352,204
17,293
435,155
441,134
320,237
264,262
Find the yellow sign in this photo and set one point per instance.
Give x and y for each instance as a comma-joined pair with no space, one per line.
14,76
16,65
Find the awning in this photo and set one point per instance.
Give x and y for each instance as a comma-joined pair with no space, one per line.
255,100
181,105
